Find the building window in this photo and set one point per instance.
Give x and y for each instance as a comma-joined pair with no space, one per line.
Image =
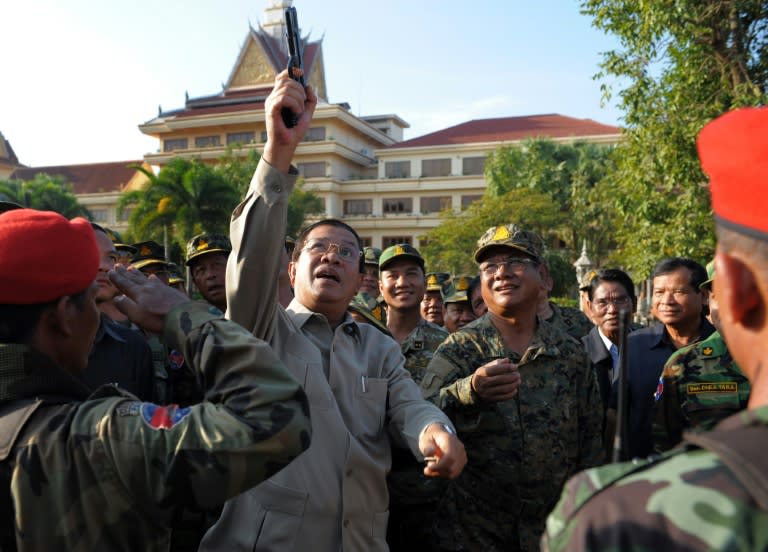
386,241
435,204
397,205
99,215
315,134
312,170
207,141
263,136
125,214
472,165
175,144
397,169
467,200
435,167
366,241
358,206
241,138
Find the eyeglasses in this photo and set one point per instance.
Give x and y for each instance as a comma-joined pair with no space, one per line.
318,247
619,302
513,264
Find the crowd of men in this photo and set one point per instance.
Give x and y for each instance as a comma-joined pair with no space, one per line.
329,396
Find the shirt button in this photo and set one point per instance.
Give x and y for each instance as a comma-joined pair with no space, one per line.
277,188
349,472
346,523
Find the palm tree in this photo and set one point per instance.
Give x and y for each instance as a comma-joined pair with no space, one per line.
187,197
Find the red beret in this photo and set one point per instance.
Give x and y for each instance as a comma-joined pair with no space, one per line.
734,153
44,256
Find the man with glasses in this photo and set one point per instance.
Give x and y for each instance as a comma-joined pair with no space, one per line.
677,302
524,400
608,292
334,496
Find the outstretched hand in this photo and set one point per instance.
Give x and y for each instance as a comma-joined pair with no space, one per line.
145,301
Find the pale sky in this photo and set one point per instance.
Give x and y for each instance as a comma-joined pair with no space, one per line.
79,76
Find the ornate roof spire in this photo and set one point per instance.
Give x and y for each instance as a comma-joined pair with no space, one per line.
274,18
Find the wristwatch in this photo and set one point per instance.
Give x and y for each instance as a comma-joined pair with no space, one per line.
448,429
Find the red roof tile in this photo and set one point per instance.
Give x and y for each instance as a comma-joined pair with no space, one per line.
505,129
91,178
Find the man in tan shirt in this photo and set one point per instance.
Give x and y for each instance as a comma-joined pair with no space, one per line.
334,497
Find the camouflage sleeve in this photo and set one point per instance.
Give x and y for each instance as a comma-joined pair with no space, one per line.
254,421
448,377
257,231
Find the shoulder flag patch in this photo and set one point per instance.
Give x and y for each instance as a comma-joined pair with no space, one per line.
163,417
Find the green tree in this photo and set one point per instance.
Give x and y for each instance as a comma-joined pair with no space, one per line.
450,246
570,174
186,197
238,170
45,193
679,65
302,203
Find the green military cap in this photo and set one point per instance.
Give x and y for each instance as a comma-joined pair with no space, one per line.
204,244
400,251
369,308
436,281
117,241
586,281
147,253
511,236
710,275
371,255
457,290
9,206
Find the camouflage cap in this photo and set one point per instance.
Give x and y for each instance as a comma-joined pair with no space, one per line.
457,290
147,253
371,255
204,244
370,309
400,251
586,281
511,236
436,281
710,275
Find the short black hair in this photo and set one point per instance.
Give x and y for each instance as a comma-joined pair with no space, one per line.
301,239
698,272
612,275
18,322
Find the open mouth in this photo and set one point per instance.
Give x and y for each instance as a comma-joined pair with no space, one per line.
323,275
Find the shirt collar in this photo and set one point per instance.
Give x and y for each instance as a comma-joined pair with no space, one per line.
301,315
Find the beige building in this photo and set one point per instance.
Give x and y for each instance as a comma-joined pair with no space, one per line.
8,160
390,190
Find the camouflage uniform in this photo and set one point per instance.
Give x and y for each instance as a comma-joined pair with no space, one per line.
107,472
700,385
412,496
520,451
686,499
572,321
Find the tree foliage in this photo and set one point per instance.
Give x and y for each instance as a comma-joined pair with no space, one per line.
571,174
45,193
679,65
450,246
186,197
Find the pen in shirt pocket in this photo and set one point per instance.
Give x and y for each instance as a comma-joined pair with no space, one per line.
364,382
